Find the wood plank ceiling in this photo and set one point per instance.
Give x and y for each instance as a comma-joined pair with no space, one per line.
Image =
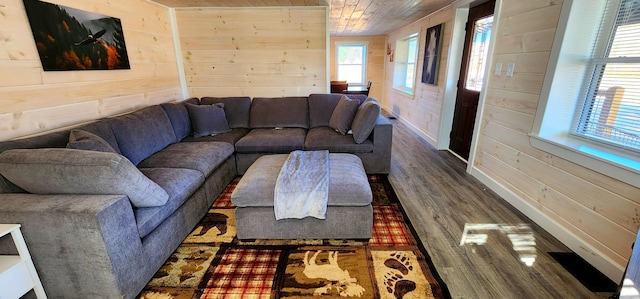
347,17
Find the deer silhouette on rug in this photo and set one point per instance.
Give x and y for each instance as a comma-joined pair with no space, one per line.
339,279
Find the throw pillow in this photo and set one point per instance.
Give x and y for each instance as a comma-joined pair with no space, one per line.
343,114
70,171
370,99
83,140
365,120
208,120
8,187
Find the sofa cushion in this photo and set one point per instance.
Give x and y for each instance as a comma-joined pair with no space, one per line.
142,133
321,107
235,108
103,130
287,112
179,117
179,183
208,120
70,171
201,156
325,138
83,140
365,120
55,139
272,141
51,140
230,137
343,114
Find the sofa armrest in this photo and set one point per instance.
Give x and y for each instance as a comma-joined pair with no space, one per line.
79,243
380,161
382,136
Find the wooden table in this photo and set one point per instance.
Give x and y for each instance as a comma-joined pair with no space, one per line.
356,90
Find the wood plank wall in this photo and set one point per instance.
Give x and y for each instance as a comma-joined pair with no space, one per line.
596,211
34,101
599,210
376,55
421,110
257,52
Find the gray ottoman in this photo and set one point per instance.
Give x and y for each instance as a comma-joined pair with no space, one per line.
349,211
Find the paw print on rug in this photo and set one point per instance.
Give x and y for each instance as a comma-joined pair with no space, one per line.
397,285
397,281
399,261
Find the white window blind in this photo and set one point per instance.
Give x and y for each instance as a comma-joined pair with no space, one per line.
611,110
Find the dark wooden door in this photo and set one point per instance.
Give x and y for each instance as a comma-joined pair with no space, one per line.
464,115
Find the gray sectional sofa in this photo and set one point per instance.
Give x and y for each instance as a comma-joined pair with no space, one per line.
102,216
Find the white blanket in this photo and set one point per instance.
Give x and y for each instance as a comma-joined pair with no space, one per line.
302,187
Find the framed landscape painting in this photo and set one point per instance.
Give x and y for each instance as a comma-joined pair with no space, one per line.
73,39
432,55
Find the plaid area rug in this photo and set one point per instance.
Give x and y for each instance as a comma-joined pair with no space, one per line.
213,263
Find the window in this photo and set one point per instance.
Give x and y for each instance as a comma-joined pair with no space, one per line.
589,111
479,53
405,63
611,110
352,60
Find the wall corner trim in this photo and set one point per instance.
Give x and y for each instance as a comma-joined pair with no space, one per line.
178,49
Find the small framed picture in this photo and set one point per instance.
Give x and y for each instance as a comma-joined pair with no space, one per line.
432,55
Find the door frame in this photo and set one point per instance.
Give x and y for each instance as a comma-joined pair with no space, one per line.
454,61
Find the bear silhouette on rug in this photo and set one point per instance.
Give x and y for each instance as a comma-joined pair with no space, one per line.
212,220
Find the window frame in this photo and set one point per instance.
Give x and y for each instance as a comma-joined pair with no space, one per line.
364,46
401,63
562,93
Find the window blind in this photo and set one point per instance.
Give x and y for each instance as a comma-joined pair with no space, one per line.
610,112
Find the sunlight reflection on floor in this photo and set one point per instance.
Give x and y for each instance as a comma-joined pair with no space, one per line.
521,236
629,290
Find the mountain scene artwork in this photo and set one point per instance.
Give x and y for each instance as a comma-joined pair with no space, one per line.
71,39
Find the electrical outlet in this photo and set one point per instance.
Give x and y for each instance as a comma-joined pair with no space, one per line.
498,69
510,68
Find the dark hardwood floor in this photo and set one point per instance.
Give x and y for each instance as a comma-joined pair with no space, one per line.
440,199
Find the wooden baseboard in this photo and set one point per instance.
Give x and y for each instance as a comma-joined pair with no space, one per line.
413,128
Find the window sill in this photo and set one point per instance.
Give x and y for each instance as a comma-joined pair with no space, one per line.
404,90
590,155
